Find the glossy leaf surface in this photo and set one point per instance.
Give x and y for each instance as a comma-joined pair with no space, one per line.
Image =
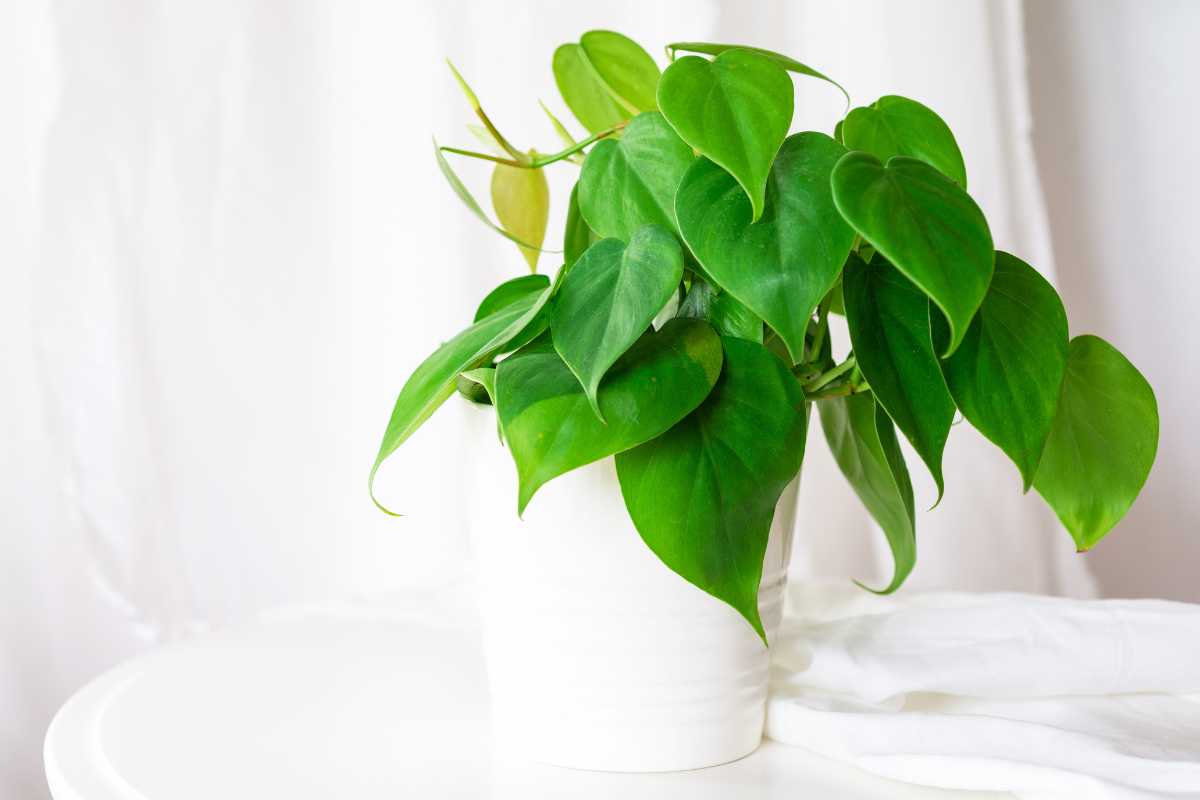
627,70
434,380
509,292
1103,441
551,428
863,443
577,236
888,319
781,266
630,182
735,109
722,310
787,62
703,494
583,90
521,198
926,225
898,126
1007,374
609,298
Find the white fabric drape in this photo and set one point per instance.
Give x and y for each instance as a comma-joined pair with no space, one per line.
232,245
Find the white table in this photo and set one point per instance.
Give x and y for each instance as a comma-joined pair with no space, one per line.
361,705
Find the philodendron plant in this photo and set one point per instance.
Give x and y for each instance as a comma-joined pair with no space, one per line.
686,331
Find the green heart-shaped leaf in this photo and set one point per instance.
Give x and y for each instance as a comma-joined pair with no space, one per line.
550,426
703,494
863,443
521,198
1007,375
781,266
609,298
787,62
1103,441
510,292
583,90
627,70
723,312
926,225
888,319
630,182
434,380
897,126
735,109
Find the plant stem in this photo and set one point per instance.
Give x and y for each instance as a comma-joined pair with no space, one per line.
822,328
829,375
841,391
542,161
482,156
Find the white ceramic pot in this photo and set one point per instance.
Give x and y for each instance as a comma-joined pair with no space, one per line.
599,656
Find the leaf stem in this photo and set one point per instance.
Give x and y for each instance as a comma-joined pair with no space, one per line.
519,158
841,391
830,375
542,161
822,328
481,156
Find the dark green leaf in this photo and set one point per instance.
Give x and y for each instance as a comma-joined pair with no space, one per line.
781,266
722,311
630,182
521,198
510,292
577,236
609,298
703,494
627,70
888,319
550,426
433,381
787,62
583,90
1007,374
926,225
863,443
1103,441
897,126
735,109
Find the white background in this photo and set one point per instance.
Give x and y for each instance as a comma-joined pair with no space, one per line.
224,244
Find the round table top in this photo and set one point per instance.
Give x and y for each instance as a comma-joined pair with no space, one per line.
329,704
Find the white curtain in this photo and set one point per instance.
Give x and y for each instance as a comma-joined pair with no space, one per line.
230,245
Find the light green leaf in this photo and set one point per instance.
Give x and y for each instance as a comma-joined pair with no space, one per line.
434,380
550,426
863,443
483,377
722,311
787,62
1103,441
897,126
563,134
577,236
735,109
609,298
1007,375
627,70
703,494
926,225
521,198
781,266
583,90
630,182
888,319
509,292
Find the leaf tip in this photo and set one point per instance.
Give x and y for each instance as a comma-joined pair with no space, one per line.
462,84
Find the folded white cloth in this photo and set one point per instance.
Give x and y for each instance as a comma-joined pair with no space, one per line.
1043,697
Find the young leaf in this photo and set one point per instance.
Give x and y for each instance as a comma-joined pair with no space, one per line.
510,292
781,266
550,426
433,381
521,198
787,62
897,126
627,70
577,236
723,312
926,225
631,182
563,134
863,443
484,378
609,298
702,495
735,109
583,90
1103,441
888,319
1007,375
